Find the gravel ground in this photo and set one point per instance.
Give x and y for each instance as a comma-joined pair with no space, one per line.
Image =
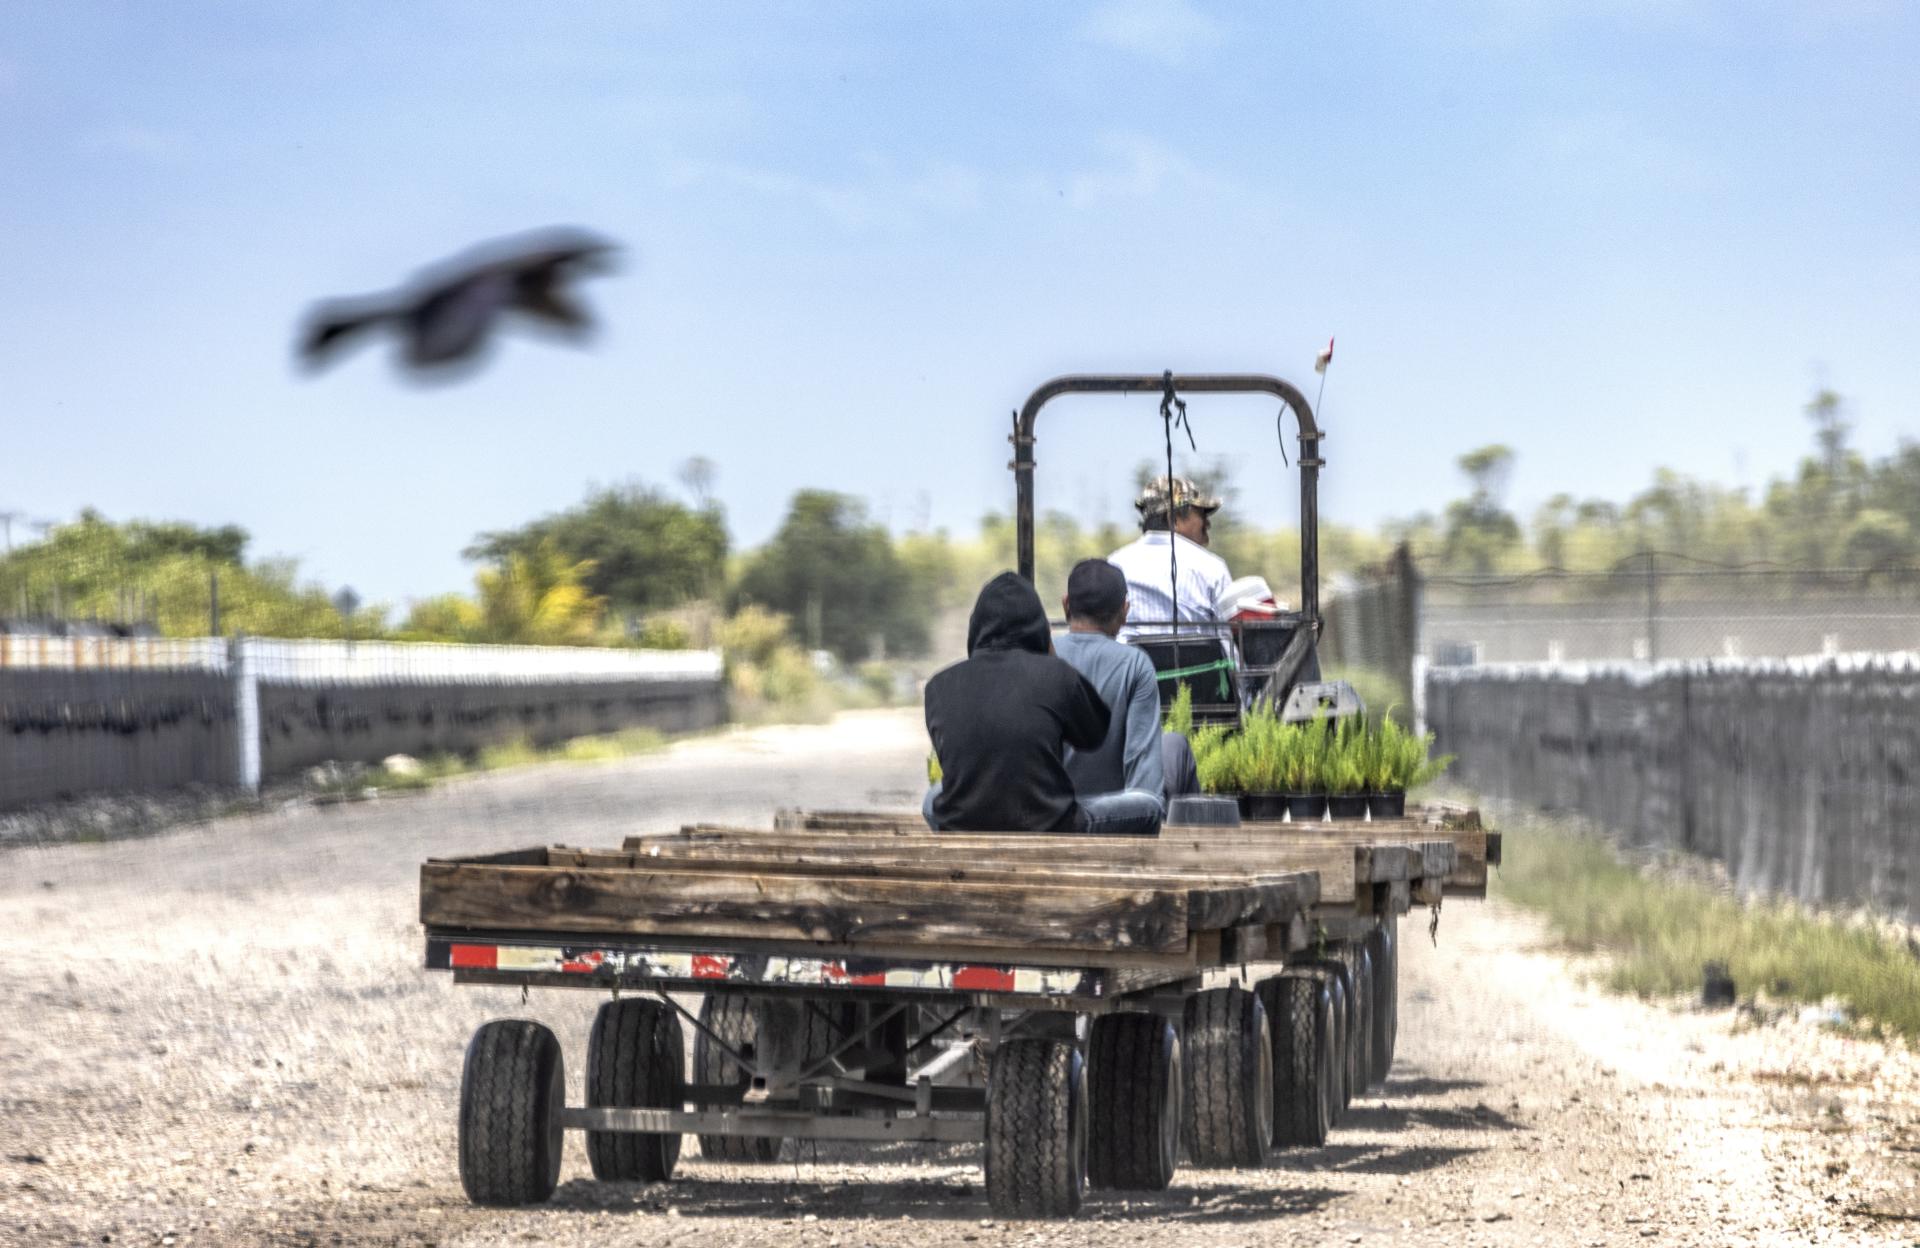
222,1035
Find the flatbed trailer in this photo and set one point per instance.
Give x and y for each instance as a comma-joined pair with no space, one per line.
1087,1007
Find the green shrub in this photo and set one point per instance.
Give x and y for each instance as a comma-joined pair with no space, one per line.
1356,755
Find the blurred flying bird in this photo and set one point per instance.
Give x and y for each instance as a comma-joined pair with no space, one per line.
448,313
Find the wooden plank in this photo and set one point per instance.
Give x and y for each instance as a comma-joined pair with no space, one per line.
1463,830
1335,863
693,903
1468,845
1213,900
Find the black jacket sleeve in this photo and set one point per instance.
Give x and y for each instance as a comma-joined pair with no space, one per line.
1086,718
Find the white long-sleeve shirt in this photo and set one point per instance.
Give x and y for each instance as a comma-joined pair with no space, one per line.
1203,579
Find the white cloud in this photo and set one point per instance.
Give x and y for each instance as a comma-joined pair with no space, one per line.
883,197
1168,31
1122,168
1137,167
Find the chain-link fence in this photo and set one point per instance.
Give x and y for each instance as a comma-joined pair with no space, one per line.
1382,627
1665,606
1758,715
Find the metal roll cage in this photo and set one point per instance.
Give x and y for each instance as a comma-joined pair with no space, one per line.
1187,383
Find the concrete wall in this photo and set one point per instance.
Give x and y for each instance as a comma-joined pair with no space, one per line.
1802,776
64,733
301,725
118,716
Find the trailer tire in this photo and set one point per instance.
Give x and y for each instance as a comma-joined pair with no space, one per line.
1337,1032
512,1089
636,1059
1386,1000
1229,1074
1036,1129
1361,964
1133,1063
732,1018
1300,1012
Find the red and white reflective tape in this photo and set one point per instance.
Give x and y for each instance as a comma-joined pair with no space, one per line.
807,972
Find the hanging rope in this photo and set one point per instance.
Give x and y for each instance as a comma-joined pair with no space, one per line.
1173,411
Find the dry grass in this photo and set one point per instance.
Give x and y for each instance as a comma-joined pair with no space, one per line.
1660,929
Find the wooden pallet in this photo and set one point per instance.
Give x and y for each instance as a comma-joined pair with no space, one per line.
1126,912
1474,846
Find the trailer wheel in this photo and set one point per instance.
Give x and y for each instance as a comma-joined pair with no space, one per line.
1339,1033
1036,1129
512,1089
1361,967
1229,1073
1134,1066
732,1018
1300,1012
1386,1000
636,1059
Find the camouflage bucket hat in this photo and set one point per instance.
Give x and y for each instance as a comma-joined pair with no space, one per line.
1155,497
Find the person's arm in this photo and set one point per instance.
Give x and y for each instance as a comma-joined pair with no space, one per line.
1142,763
1086,716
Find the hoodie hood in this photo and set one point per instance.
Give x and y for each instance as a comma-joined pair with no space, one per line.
1008,616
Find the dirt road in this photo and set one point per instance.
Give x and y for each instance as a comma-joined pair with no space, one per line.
223,1036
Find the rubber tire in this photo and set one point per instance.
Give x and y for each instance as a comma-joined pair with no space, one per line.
512,1089
1360,962
636,1059
1036,1129
1300,1012
1229,1077
1383,944
1133,1066
1337,1000
731,1017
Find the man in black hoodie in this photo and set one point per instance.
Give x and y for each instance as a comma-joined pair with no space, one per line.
1000,718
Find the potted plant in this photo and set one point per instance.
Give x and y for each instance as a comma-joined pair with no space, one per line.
1306,773
1266,758
1346,769
1409,763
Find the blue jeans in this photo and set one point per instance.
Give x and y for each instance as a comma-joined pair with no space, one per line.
1127,812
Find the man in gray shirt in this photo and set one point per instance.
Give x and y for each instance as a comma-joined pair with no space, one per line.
1122,780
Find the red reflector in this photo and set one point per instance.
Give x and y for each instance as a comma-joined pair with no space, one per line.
473,957
983,979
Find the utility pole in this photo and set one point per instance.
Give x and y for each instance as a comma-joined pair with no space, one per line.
1653,607
213,602
6,522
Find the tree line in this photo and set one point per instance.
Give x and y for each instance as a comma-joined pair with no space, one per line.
639,564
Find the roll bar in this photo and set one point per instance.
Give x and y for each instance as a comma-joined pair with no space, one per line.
1187,383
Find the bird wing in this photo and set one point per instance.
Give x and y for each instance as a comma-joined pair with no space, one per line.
334,323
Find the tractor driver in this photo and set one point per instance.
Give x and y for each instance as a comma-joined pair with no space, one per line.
1175,520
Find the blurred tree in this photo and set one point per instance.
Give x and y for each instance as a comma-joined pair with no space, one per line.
836,574
646,550
1480,533
539,597
162,573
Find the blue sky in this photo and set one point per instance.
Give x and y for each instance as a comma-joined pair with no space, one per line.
1613,236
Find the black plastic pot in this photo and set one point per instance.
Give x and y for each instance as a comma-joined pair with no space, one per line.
1209,812
1305,807
1389,805
1347,805
1268,806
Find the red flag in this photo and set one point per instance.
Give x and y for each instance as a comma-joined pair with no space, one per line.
1325,358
